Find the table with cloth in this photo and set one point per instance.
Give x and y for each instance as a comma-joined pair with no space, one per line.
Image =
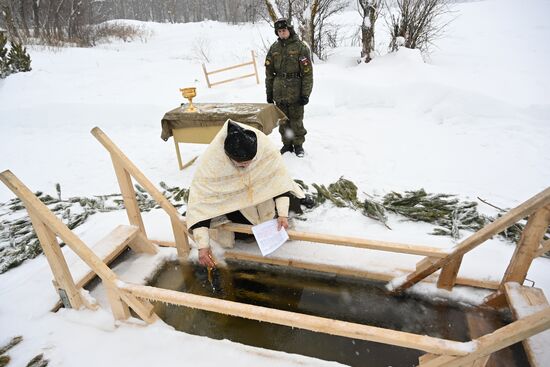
200,127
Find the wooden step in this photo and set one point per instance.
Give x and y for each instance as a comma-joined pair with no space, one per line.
525,301
108,249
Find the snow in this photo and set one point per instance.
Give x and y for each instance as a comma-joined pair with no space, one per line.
472,120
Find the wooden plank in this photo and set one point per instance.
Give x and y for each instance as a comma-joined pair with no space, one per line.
229,68
524,301
499,339
128,195
57,226
61,273
147,185
447,278
107,249
333,269
531,205
351,242
233,79
338,270
325,268
307,322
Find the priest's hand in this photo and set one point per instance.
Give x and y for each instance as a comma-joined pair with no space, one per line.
282,222
205,258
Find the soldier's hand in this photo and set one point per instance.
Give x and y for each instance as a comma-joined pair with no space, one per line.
205,258
269,99
304,100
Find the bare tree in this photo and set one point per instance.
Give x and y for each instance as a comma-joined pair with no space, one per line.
369,11
312,20
416,23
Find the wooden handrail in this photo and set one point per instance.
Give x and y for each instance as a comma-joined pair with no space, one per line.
525,209
303,321
350,241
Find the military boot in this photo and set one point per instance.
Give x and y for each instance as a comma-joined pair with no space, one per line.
299,150
287,148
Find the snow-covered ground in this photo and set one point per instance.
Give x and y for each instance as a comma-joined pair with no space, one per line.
474,121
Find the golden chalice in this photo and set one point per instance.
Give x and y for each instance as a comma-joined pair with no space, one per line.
189,93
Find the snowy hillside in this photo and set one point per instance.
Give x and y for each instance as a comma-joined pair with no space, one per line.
473,120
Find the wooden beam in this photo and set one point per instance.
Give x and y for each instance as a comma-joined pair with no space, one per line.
544,248
338,270
497,340
525,251
533,204
302,321
118,306
128,195
63,279
350,242
255,67
447,278
523,256
148,186
206,76
140,243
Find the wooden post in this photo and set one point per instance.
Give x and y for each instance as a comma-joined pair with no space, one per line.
447,278
118,307
523,256
128,195
63,279
180,235
255,67
180,230
206,76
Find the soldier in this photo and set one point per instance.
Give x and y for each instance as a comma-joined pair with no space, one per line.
288,83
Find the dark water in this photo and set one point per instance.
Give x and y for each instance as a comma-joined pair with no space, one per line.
322,295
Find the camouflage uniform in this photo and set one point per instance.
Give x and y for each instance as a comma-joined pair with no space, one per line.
288,82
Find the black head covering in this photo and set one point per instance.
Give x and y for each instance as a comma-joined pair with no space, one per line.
282,23
240,144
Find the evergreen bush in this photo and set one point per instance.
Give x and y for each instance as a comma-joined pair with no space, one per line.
5,69
18,57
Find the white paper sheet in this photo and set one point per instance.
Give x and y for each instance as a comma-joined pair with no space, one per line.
267,236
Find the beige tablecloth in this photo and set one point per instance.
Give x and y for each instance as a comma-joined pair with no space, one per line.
262,116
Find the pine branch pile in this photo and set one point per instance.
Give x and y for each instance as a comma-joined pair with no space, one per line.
445,211
18,241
